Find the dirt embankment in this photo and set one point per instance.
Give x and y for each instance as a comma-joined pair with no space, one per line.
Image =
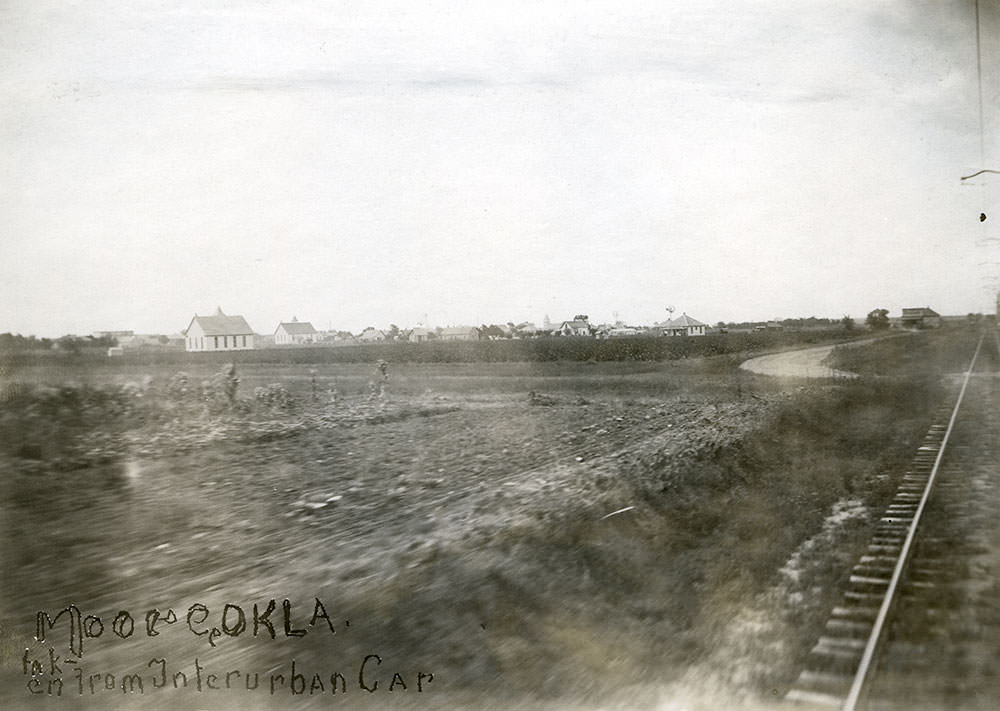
472,535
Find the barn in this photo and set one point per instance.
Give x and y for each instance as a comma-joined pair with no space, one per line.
921,317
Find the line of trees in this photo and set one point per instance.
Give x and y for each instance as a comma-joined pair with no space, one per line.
791,323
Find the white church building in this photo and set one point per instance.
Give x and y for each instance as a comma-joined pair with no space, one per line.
218,332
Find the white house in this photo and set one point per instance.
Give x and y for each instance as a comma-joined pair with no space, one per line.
218,333
683,325
372,335
295,331
579,326
419,334
617,330
460,333
526,329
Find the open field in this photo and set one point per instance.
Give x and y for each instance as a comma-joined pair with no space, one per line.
460,525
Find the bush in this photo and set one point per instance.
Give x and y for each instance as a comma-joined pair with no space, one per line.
178,388
274,396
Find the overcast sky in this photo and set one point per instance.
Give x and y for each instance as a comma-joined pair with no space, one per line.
360,164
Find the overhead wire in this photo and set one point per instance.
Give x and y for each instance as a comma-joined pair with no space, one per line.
979,81
982,121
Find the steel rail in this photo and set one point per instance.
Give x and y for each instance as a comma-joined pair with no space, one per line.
864,668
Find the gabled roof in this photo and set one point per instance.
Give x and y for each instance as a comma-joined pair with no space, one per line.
576,324
451,330
683,321
919,312
222,325
297,328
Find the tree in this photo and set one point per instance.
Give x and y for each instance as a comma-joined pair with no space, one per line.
848,323
877,319
70,344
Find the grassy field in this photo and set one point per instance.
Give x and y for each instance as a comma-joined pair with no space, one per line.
917,353
535,535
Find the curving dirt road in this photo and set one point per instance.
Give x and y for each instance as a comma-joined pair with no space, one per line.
805,363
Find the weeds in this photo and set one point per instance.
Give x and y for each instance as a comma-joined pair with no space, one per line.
920,354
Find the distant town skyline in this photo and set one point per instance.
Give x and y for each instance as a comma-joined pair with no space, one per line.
543,324
467,163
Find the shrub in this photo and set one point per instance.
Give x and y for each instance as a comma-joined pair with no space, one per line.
179,387
274,396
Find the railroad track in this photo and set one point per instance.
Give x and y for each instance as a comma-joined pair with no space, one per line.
919,623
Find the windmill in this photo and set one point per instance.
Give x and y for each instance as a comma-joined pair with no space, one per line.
670,310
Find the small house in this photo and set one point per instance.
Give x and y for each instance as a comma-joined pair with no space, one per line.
619,330
579,326
683,325
338,338
922,317
460,333
420,334
372,335
295,332
526,329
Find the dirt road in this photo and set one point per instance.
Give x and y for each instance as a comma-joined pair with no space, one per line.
805,363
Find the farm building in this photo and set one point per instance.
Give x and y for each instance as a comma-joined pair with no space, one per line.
618,330
218,333
295,331
923,317
419,334
338,338
459,333
683,325
371,335
579,326
526,329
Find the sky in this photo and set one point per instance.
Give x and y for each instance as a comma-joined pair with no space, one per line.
452,163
